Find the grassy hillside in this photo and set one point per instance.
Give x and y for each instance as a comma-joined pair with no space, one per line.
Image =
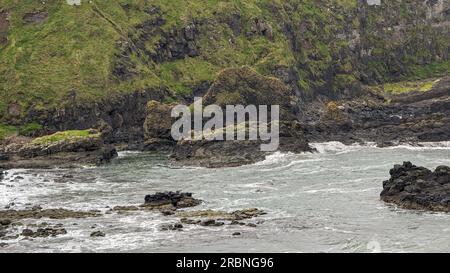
100,48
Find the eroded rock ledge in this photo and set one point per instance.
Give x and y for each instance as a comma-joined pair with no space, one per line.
62,149
413,187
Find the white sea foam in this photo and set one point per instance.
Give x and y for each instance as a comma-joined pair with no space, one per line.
122,154
337,147
274,158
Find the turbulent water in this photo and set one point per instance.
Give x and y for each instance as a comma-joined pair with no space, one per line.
316,202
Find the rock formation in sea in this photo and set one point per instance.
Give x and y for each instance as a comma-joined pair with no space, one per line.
413,187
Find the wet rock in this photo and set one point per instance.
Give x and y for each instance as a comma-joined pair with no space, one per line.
5,222
415,187
190,221
98,234
176,226
125,208
211,223
10,237
44,232
2,174
27,232
46,213
167,200
234,216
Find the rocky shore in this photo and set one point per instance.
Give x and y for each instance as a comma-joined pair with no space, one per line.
67,149
387,119
367,115
413,187
34,222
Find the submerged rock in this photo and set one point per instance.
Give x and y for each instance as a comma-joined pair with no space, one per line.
413,187
167,200
176,226
223,215
98,234
44,232
38,213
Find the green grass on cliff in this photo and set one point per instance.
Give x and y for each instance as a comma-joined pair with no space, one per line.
73,50
403,87
7,130
28,129
65,135
70,56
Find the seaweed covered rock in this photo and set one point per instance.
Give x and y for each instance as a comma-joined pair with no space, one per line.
170,200
415,187
38,213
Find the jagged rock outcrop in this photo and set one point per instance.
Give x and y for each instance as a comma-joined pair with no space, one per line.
124,115
170,200
62,149
157,127
243,86
233,153
171,52
415,187
405,118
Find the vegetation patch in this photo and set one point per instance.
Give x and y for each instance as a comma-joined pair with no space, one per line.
403,87
71,135
7,130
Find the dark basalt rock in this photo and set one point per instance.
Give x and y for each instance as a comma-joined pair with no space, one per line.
211,223
98,234
221,153
72,152
413,118
176,227
164,200
415,187
44,232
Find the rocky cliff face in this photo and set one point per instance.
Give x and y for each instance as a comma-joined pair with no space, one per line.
73,66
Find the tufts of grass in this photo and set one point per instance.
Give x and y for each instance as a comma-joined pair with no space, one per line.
66,136
7,130
403,87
